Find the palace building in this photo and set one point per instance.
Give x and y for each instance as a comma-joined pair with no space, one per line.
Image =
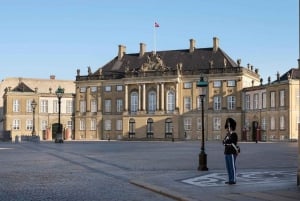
154,94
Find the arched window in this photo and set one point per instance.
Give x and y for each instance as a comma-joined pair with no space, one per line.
168,128
151,102
134,102
170,101
131,128
150,128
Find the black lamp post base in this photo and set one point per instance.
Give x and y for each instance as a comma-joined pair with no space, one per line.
202,161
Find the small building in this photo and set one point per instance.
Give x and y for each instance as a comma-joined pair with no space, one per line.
18,113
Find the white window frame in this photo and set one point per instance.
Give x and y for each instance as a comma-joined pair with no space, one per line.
217,103
119,124
93,124
187,103
107,125
216,123
217,84
16,105
93,105
231,102
281,98
187,124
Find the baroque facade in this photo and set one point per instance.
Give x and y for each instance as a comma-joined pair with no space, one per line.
271,111
154,94
18,114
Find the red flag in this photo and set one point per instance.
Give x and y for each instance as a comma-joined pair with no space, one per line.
156,24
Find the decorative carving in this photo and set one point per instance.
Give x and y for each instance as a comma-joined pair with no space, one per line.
153,63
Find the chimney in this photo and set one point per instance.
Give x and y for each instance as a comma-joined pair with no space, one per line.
215,44
52,77
142,49
122,50
192,45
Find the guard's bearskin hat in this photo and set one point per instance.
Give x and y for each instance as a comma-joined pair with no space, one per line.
230,122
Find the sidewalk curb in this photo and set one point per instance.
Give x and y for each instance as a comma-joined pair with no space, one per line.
161,190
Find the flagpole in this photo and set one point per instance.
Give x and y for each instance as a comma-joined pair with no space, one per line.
154,38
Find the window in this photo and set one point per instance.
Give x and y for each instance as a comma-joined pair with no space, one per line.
119,105
264,100
119,124
187,104
231,83
217,83
82,124
44,124
93,89
16,124
216,123
55,106
187,85
168,127
282,123
134,98
272,122
264,123
44,106
29,124
107,105
247,102
255,101
170,101
82,106
231,102
69,106
93,124
150,127
151,101
107,125
272,99
70,124
199,105
82,89
16,105
28,106
199,124
107,88
281,100
93,105
217,103
119,88
187,124
131,127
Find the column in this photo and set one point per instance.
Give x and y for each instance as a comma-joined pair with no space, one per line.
88,99
162,96
157,97
176,95
144,96
140,97
126,97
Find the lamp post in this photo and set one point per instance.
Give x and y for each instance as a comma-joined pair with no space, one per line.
33,106
202,84
59,93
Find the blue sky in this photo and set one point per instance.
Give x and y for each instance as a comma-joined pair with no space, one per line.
39,38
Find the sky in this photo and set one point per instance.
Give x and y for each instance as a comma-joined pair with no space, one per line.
39,38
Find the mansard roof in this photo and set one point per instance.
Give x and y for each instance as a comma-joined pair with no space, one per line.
22,87
199,59
293,73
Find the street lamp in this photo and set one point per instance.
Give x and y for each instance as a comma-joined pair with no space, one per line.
33,106
59,93
202,84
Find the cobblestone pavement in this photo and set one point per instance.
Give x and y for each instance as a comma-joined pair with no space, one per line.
132,171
